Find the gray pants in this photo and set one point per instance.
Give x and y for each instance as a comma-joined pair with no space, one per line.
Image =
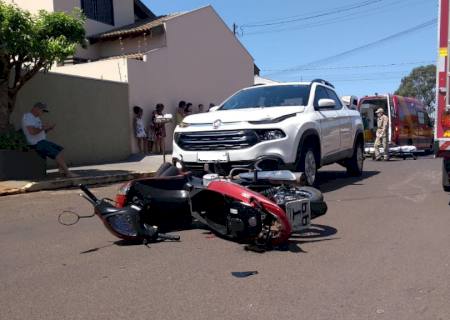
382,140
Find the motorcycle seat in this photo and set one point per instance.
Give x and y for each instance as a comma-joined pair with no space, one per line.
171,189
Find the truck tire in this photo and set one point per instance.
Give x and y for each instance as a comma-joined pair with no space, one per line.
308,165
445,180
355,164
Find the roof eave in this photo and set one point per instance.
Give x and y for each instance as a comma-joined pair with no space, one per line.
152,31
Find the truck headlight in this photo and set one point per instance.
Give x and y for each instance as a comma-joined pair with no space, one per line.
270,134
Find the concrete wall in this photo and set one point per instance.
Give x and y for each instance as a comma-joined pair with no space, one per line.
200,65
89,116
123,15
123,11
149,84
112,70
207,63
32,5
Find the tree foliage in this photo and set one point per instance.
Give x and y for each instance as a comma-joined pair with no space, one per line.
31,43
421,84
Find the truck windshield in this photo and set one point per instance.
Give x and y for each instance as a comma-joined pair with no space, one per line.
266,97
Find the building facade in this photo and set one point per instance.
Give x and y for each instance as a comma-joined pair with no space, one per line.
191,56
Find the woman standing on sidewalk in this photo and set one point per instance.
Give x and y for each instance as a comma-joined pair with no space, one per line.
159,129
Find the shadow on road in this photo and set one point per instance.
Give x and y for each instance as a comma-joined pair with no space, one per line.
316,233
333,180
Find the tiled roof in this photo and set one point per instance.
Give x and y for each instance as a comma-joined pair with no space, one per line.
135,28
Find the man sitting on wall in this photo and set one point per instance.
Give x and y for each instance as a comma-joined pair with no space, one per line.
35,132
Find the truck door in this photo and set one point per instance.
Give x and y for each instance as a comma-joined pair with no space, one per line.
329,125
345,122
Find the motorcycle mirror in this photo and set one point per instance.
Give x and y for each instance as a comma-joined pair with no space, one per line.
69,218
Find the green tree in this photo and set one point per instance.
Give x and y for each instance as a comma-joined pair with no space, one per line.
29,44
421,84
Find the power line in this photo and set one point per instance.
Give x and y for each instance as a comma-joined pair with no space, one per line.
327,13
363,47
356,66
342,18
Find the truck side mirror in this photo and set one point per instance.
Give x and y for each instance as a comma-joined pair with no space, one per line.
326,103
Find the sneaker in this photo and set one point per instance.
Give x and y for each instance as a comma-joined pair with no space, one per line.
378,159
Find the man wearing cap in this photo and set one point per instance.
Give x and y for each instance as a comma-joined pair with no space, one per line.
382,135
35,132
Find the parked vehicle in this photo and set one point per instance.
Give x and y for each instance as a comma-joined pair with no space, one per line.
442,123
258,207
301,126
410,124
350,101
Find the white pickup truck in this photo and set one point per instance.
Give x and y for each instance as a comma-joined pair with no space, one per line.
297,126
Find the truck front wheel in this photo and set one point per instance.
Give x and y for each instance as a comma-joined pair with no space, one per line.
355,164
445,180
308,165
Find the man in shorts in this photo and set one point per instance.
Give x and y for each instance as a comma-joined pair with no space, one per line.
35,132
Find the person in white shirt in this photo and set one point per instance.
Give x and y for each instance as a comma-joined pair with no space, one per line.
35,133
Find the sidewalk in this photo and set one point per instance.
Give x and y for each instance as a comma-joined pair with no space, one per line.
135,167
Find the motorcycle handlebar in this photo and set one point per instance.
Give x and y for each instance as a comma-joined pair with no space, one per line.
88,193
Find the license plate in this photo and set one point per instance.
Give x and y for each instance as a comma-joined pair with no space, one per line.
212,157
299,214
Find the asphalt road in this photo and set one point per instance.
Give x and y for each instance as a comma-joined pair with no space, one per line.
381,252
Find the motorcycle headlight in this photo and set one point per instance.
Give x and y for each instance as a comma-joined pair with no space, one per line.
270,134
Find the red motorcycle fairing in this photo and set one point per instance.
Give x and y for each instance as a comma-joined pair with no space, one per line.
252,198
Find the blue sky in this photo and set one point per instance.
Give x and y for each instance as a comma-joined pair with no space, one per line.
308,37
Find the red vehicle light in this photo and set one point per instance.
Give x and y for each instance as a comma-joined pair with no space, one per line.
121,196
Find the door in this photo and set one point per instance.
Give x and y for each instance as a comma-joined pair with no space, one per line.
329,125
345,122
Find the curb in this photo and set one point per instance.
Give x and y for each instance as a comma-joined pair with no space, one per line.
74,182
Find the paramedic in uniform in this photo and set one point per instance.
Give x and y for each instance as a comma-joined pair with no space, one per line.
382,135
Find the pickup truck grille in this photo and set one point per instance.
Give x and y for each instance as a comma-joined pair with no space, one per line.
216,140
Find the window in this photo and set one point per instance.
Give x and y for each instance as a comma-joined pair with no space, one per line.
270,96
99,10
421,117
332,95
320,94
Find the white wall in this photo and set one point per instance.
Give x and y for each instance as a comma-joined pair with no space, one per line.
32,5
123,15
148,85
123,11
112,70
202,63
207,63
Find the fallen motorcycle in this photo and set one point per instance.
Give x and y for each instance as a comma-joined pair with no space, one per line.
259,207
125,223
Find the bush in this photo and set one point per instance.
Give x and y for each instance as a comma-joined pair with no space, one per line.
13,140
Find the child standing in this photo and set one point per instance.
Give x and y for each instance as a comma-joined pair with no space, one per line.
139,129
